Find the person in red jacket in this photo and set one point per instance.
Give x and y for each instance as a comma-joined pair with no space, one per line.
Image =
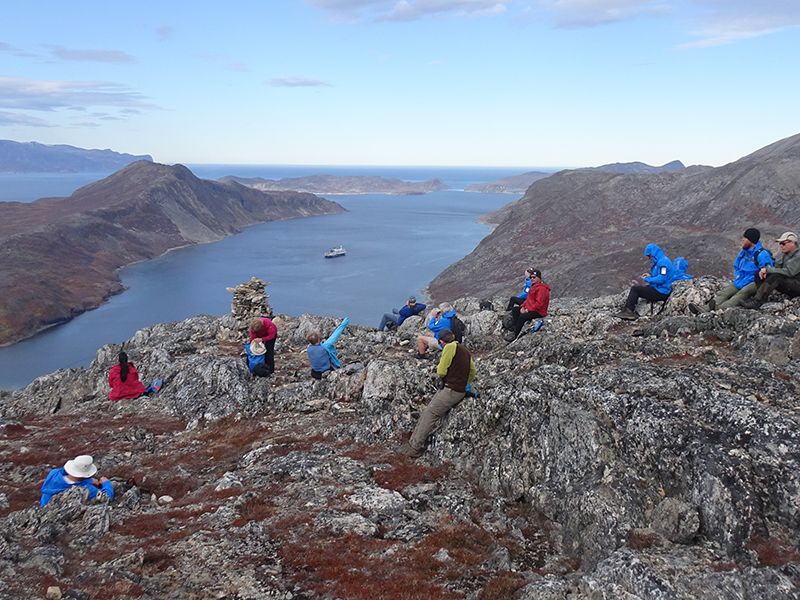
535,305
124,380
265,330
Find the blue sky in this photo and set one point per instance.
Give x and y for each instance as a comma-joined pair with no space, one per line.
528,83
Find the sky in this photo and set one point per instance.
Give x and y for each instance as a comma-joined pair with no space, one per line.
528,83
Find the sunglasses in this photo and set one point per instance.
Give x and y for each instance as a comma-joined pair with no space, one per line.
786,242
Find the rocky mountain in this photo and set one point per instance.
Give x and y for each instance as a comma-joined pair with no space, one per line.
508,185
602,460
61,255
639,168
587,230
331,184
32,157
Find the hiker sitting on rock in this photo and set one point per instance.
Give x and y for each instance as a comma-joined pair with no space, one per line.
784,276
535,304
517,300
456,369
440,320
78,471
657,285
323,355
265,330
124,380
397,317
750,260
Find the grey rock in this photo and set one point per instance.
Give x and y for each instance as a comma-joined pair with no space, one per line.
676,520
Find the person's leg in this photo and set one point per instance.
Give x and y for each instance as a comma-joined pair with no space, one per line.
524,318
789,286
633,296
269,357
442,402
422,343
652,294
386,318
514,301
724,297
738,296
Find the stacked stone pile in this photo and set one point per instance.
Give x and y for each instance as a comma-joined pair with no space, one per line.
602,459
250,300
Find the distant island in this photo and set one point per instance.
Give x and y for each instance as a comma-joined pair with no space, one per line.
33,157
517,184
61,255
331,184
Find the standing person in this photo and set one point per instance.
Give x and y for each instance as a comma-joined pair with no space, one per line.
264,329
440,319
124,380
750,260
535,304
322,356
456,369
397,317
657,285
78,471
783,276
518,300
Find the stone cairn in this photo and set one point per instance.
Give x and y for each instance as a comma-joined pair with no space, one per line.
249,301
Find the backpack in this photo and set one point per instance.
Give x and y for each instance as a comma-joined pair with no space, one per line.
458,328
486,305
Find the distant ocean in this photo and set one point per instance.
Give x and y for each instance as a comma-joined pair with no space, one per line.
395,246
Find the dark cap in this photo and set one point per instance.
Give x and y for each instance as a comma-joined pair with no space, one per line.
752,234
412,300
536,273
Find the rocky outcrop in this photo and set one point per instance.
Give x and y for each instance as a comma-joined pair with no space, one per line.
61,255
587,230
32,157
602,459
331,184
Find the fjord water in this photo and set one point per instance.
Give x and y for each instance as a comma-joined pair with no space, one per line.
395,246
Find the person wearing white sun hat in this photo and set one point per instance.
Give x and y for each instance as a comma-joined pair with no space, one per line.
79,471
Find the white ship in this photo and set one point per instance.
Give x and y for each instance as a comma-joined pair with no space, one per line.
335,252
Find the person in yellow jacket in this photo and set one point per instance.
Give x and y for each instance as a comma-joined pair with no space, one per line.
456,369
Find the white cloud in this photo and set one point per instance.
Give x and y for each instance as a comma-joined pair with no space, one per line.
726,21
296,82
32,94
404,10
109,56
7,118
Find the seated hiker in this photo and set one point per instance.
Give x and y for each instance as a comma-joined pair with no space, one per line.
256,358
265,330
752,257
124,380
783,276
657,285
323,355
535,304
517,300
440,319
456,369
397,317
680,266
78,471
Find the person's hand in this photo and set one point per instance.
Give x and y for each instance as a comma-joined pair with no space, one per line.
523,310
645,275
102,480
763,272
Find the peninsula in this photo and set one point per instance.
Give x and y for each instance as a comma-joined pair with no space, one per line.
61,255
331,185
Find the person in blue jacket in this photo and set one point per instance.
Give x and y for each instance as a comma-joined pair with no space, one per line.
657,284
80,471
397,317
322,355
751,258
518,300
440,319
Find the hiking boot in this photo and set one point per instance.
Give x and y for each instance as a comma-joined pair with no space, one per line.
751,303
407,450
509,336
420,356
627,314
696,310
712,305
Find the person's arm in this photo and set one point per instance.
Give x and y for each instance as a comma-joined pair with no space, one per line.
105,486
447,359
472,370
662,274
790,266
765,259
336,333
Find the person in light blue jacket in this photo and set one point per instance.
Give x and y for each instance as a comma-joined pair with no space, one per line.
440,319
657,284
752,257
80,472
322,355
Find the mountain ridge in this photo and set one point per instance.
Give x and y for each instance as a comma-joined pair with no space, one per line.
33,157
333,184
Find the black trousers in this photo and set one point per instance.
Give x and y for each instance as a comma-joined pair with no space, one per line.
646,292
787,285
514,300
521,318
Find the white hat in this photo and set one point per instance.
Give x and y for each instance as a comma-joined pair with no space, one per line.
257,347
83,466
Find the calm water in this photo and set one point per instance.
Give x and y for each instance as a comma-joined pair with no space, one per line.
395,246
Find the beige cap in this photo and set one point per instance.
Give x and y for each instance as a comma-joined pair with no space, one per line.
789,236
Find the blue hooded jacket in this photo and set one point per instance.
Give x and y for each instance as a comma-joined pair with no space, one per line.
323,356
55,484
525,289
444,323
748,263
680,266
662,272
